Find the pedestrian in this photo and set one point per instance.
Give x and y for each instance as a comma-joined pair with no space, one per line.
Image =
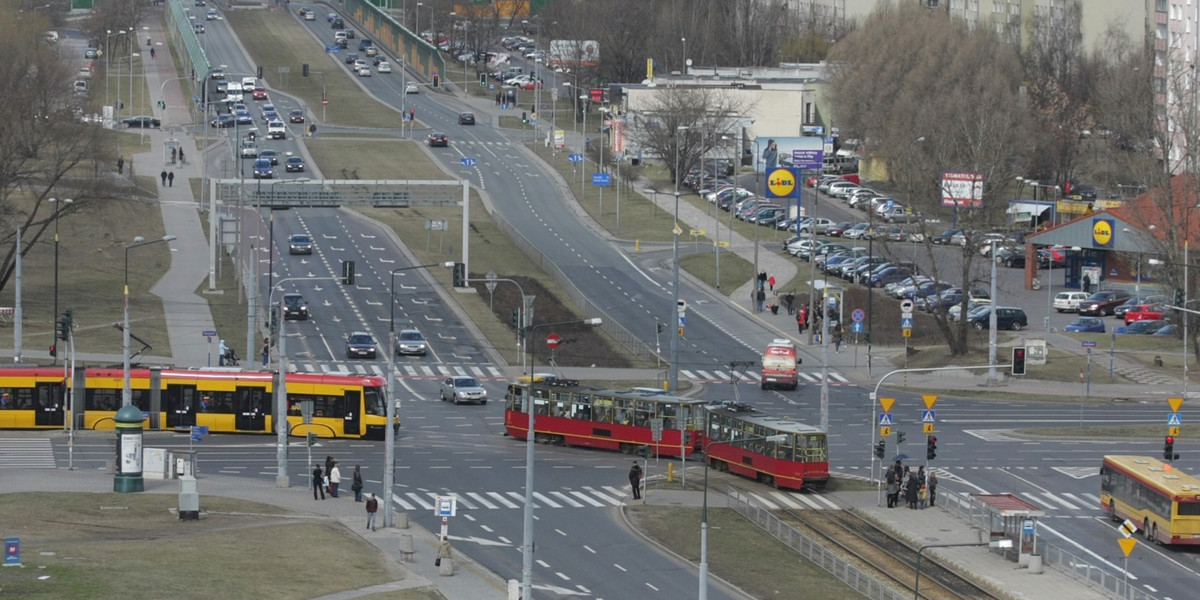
120,165
335,479
932,487
318,482
372,508
266,351
412,114
789,302
222,349
328,468
837,337
1087,283
148,44
312,130
171,179
910,491
921,474
922,496
799,323
635,480
761,298
892,488
357,485
153,54
163,176
174,152
762,280
802,318
443,551
498,98
771,282
180,149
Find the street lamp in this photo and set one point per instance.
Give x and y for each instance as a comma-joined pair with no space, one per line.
57,210
527,528
108,62
389,433
774,439
417,18
675,261
127,393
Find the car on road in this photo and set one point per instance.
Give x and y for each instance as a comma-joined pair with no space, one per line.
296,116
1085,325
466,118
384,67
259,93
364,71
294,307
294,164
300,243
459,389
211,15
198,27
1147,327
222,121
360,344
142,122
412,88
439,139
1007,317
411,342
1104,303
217,73
1145,312
269,154
263,169
1070,301
249,149
243,117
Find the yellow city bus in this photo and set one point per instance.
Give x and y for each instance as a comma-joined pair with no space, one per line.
1158,498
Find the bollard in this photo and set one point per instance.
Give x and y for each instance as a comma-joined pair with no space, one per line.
446,567
406,547
1035,564
670,472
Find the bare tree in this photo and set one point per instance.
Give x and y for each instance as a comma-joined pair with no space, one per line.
685,122
1058,75
951,105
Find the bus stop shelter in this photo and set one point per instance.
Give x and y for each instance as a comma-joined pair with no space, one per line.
1013,518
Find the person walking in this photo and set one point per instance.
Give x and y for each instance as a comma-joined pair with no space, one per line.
761,298
932,487
443,551
789,302
163,176
171,179
412,114
120,165
838,334
357,485
802,318
635,480
1087,283
335,479
771,282
266,351
328,467
180,149
318,482
372,508
222,350
174,152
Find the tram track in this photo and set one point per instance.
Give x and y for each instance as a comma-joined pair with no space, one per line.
874,550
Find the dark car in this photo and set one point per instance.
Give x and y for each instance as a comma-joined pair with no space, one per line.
222,121
1011,257
838,229
294,307
1150,327
1006,318
270,155
1104,303
467,118
945,236
263,169
351,57
337,23
439,139
294,164
1086,325
360,344
142,123
296,116
1133,301
300,243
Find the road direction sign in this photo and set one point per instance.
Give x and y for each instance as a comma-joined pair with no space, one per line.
858,315
601,179
209,333
856,327
885,418
552,340
1088,344
906,323
808,159
575,158
1174,419
928,416
467,161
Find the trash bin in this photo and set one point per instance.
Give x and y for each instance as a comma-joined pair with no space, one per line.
1035,564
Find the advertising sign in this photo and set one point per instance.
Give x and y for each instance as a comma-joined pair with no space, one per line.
775,152
962,189
781,183
574,53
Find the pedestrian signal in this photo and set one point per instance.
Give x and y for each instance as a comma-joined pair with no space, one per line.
1169,448
53,351
880,449
1018,361
348,272
460,275
931,447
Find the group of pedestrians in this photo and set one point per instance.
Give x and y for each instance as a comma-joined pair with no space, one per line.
168,178
919,490
329,479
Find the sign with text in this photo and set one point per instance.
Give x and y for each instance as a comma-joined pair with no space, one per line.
962,189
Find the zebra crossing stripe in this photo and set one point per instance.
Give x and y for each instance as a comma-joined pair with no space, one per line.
766,503
704,375
827,502
839,377
518,498
544,501
586,498
786,500
808,378
502,500
27,454
405,505
618,492
567,499
420,501
1054,498
688,374
481,500
601,495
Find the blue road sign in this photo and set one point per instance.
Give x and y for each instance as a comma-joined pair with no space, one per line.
682,320
1174,419
1089,344
575,158
885,418
857,315
209,333
928,416
333,49
856,327
601,179
808,159
906,323
200,429
466,161
888,205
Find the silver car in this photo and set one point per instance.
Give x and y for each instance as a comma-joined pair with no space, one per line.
461,389
410,341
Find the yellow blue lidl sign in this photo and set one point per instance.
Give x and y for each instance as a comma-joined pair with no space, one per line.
1102,233
782,183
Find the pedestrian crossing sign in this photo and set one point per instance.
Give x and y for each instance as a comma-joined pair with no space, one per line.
885,432
1174,419
885,418
927,428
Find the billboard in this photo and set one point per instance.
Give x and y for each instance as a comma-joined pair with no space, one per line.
787,152
962,189
574,53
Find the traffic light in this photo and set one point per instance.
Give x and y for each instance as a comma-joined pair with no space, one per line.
1018,361
931,447
899,437
436,79
660,326
305,68
524,117
516,318
483,79
260,72
1169,448
460,275
53,351
64,326
880,449
348,272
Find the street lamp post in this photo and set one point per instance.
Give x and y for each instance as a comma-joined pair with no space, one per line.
126,391
775,439
389,435
108,62
530,436
57,210
674,380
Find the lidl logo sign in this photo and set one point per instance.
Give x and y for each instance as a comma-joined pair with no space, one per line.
781,183
1102,233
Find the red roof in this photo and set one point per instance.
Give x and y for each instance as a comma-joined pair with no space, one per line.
1008,505
1156,208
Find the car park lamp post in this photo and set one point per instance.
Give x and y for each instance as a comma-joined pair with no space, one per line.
774,439
530,437
58,208
389,432
994,543
126,391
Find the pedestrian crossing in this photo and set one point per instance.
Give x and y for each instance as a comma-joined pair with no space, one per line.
22,453
590,497
718,376
419,371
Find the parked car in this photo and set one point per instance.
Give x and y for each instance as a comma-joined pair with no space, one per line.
954,313
360,344
945,237
1119,311
837,229
1007,317
1147,327
410,341
859,230
459,389
817,225
1104,303
1011,256
1145,312
1085,325
1070,301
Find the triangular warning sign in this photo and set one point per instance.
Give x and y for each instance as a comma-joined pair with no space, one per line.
1127,545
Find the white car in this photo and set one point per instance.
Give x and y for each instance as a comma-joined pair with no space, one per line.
459,389
364,71
1070,301
817,225
411,88
384,67
309,15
